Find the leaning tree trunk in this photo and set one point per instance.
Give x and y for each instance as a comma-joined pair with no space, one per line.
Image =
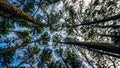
109,47
99,21
16,12
24,44
108,26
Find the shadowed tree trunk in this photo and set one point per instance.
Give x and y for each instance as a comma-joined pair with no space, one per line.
108,35
16,12
105,53
109,47
99,21
24,44
108,26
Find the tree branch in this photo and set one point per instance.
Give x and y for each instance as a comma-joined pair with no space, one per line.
109,47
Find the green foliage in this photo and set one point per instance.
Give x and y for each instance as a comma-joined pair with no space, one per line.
24,23
102,11
39,17
71,11
92,33
23,35
59,51
96,2
83,30
4,27
53,19
56,39
29,6
71,59
90,14
46,55
33,50
7,58
111,3
70,31
116,39
39,29
45,37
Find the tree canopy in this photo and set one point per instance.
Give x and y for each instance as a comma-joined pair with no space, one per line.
59,33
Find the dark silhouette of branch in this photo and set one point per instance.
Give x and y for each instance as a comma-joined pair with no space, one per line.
99,21
23,62
109,47
108,26
87,59
17,46
104,53
107,35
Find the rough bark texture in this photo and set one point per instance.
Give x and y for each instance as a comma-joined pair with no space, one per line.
109,47
16,12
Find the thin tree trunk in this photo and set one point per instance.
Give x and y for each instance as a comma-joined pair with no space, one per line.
14,11
109,47
108,26
115,36
99,21
17,47
104,53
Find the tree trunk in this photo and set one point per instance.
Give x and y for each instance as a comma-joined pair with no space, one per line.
108,26
16,12
109,47
105,35
17,46
99,21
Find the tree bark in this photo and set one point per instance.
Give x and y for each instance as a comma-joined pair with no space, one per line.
99,21
113,36
17,46
108,26
16,12
109,47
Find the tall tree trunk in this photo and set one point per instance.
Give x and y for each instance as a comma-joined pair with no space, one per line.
109,47
108,26
109,35
99,21
17,47
14,11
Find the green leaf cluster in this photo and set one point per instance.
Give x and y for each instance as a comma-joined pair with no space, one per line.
45,37
7,58
29,6
39,29
46,55
71,59
23,35
24,23
4,27
33,50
